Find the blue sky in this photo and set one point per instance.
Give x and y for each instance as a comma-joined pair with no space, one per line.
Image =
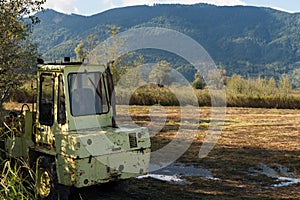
90,7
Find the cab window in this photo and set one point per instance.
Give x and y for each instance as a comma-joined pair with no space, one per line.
88,94
46,106
61,104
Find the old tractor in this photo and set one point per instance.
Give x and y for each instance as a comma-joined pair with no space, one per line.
71,139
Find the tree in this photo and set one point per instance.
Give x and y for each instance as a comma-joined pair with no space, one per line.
85,48
80,51
216,78
111,49
198,83
17,53
284,85
271,87
236,85
161,73
108,52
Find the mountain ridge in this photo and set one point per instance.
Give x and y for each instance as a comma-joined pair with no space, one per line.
243,39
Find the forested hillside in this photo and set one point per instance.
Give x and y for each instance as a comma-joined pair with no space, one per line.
245,40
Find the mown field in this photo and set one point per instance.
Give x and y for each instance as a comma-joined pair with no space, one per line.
257,157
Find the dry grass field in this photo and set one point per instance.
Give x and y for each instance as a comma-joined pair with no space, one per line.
256,157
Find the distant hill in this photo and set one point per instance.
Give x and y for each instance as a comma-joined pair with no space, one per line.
245,40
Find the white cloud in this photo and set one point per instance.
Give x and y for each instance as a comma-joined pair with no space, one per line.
108,2
65,6
215,2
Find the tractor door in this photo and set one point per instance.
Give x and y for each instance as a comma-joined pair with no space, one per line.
45,122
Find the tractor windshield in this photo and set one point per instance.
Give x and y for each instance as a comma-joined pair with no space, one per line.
88,93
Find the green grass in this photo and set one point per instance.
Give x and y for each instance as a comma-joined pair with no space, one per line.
16,180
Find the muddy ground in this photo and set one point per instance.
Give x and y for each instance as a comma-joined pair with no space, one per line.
257,157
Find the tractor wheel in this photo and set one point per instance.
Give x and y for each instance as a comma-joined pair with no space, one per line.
46,185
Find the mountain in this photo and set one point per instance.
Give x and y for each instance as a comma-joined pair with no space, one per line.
250,41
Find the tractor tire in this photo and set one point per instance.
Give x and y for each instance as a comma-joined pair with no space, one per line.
46,184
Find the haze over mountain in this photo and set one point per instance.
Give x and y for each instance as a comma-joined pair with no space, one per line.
245,40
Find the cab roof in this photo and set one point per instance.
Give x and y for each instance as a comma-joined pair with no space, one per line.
69,66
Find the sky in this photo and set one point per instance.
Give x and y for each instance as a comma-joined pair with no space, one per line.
90,7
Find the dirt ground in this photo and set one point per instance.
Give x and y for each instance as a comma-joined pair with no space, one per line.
256,157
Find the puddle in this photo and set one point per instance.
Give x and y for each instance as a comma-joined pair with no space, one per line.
281,174
174,172
167,178
285,181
